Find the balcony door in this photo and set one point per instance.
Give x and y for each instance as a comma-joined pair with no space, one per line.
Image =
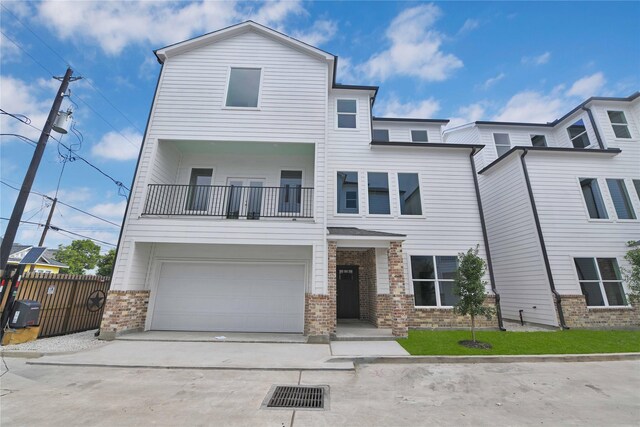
199,189
245,197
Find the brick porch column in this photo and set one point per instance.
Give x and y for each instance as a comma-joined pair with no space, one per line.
399,325
332,248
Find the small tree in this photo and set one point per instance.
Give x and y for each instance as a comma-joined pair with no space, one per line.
80,255
632,275
470,288
105,263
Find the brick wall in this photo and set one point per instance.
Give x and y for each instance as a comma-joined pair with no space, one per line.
124,311
319,319
399,300
433,318
578,315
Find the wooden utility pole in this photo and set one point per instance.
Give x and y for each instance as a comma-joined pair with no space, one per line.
48,224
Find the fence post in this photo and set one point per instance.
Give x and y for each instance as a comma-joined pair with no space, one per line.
72,300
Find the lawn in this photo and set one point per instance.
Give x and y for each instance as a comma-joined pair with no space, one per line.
574,341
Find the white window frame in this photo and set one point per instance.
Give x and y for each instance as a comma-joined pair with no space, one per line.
374,215
584,202
226,88
373,131
626,124
501,145
302,185
420,187
600,282
531,135
629,199
354,114
358,214
418,130
435,280
586,131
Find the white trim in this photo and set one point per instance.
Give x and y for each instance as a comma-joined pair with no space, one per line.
605,299
357,101
335,194
618,138
422,205
366,201
228,81
435,280
608,219
629,199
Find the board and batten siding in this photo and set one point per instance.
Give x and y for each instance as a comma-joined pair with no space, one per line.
450,222
568,231
518,263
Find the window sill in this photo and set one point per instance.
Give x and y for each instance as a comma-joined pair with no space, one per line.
241,108
348,215
347,129
433,307
609,307
412,216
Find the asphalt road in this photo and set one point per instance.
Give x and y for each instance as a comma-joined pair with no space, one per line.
582,393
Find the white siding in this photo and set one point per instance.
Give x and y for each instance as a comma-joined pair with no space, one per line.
518,263
401,131
601,117
561,135
450,222
568,231
382,270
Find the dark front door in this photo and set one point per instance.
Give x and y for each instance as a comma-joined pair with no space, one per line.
348,305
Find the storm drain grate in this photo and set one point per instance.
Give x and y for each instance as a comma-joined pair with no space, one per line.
297,397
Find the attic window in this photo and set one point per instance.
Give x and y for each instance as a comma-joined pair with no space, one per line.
381,135
578,134
244,87
419,136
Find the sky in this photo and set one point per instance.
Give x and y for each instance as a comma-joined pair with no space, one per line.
464,61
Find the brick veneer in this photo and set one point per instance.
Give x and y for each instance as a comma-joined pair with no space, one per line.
124,311
578,315
433,318
367,283
399,300
320,310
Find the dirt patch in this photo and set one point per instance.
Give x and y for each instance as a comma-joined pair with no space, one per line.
475,344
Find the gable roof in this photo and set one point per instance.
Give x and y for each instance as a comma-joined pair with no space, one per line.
174,49
19,252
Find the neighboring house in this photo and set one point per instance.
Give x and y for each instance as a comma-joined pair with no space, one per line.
43,264
268,199
561,201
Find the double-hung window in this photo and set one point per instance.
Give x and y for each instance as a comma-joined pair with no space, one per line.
619,124
600,281
578,134
347,185
244,87
347,109
378,188
381,135
419,136
538,141
433,280
409,194
620,198
593,198
503,144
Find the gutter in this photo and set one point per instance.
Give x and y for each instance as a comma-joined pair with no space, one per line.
486,239
594,126
545,256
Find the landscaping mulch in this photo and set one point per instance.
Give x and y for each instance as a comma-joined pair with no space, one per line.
475,344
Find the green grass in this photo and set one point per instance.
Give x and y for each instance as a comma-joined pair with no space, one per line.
574,341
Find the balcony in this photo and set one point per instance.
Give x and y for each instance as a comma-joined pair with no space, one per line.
229,201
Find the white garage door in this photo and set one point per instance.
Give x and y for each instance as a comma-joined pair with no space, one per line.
234,297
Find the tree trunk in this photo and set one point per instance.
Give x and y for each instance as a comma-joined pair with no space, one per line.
473,328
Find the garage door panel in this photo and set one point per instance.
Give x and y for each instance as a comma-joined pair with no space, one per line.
230,297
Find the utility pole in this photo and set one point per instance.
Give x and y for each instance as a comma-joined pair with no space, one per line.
48,224
18,209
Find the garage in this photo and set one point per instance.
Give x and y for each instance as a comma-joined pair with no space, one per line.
229,296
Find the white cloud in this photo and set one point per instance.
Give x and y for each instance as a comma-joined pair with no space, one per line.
114,25
110,210
118,145
537,60
469,25
531,106
320,32
19,97
587,86
345,72
467,114
415,48
424,109
10,52
492,80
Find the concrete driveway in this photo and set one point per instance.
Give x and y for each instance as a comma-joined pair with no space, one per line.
587,393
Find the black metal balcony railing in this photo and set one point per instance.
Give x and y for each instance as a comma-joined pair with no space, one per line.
228,201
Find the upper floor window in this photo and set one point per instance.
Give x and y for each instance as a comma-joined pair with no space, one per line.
538,141
419,136
620,198
409,194
381,135
378,188
244,87
347,109
636,184
619,124
503,144
578,135
433,280
593,198
347,192
600,281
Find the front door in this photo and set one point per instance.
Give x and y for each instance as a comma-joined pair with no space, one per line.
244,197
348,304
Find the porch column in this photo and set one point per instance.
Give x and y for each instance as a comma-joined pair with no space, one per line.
399,325
332,248
320,309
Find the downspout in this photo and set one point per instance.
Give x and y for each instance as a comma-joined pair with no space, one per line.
545,256
595,128
486,240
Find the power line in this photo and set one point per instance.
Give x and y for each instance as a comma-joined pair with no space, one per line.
28,54
62,230
63,203
21,137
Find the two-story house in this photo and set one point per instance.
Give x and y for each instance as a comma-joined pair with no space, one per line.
561,201
267,198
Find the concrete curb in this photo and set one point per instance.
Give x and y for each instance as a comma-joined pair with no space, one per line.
202,368
596,357
36,354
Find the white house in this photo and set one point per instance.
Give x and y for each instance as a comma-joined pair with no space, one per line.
561,201
268,199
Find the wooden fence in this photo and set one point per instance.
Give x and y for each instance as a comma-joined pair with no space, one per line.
69,303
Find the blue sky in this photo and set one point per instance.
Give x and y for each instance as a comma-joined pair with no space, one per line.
524,61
